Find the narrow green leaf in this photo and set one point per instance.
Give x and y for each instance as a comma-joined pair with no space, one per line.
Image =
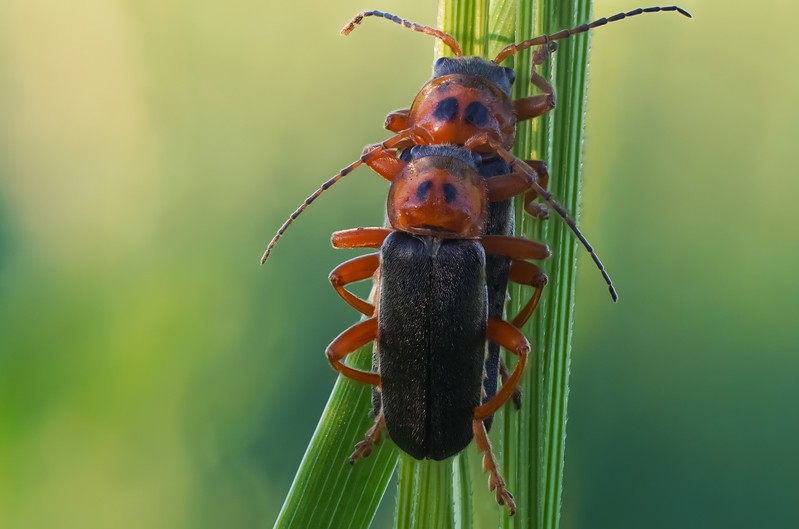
536,436
327,491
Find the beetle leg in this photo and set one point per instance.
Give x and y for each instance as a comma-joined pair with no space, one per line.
360,237
537,105
517,392
356,269
537,210
348,341
533,106
372,437
504,186
495,480
526,273
514,247
384,161
513,340
397,120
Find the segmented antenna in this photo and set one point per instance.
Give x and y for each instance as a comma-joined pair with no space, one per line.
550,199
448,39
546,195
565,33
390,143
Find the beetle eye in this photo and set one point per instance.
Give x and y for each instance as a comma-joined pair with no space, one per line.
440,64
476,114
510,74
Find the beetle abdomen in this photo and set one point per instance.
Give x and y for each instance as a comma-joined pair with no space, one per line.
431,341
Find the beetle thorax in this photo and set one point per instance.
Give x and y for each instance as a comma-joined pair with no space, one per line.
438,196
454,108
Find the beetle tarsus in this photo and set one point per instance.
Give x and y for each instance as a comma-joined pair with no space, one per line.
517,398
371,438
362,449
496,483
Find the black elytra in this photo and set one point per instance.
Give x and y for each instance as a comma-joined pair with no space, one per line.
433,311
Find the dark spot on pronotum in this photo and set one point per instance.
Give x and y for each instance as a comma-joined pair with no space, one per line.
450,193
447,109
423,189
476,114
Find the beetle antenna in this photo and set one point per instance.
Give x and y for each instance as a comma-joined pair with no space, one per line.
308,201
550,199
546,195
390,143
448,39
565,33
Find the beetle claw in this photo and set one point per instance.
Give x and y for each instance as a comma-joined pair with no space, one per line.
362,449
517,398
506,498
372,438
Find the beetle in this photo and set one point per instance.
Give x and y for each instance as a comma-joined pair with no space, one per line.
431,320
488,129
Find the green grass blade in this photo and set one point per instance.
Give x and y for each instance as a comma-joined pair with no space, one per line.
327,492
536,437
565,155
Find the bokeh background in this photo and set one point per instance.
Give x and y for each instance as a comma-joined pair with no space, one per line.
152,375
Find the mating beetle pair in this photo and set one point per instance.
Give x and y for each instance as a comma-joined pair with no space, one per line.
443,268
432,319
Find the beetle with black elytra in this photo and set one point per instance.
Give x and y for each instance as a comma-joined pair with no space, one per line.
431,321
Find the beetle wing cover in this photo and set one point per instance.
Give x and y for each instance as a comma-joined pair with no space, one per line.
431,342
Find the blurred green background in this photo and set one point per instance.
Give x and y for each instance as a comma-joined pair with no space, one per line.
152,375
